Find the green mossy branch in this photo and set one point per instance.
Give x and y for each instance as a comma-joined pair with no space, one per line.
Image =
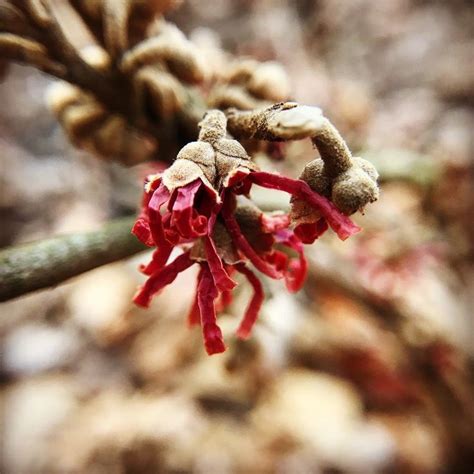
37,265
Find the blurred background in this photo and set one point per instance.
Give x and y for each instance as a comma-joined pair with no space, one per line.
369,369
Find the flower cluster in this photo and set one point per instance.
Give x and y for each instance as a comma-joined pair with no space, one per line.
199,204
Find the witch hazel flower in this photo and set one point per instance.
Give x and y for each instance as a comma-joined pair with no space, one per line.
200,205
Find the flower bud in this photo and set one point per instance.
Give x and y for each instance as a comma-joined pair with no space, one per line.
353,190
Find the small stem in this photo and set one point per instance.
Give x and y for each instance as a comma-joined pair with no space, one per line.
291,121
333,150
29,267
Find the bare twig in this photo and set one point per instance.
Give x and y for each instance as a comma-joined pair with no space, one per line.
47,263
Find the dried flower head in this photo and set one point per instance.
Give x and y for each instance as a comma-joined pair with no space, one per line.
197,204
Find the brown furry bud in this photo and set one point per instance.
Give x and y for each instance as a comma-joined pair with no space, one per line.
230,156
195,160
212,127
313,174
353,190
367,166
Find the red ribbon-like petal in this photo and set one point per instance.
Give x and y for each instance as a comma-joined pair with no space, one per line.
297,270
243,245
340,223
207,293
253,308
161,278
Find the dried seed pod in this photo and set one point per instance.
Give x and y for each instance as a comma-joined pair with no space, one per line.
228,96
117,141
74,109
12,20
116,16
21,49
61,95
38,12
170,48
92,8
269,82
91,127
96,56
279,122
240,71
248,84
108,140
158,88
80,120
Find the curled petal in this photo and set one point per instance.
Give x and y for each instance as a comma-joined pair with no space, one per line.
141,230
340,223
244,246
161,278
297,268
184,217
160,197
253,308
194,315
309,232
278,260
158,261
221,278
224,300
207,293
275,222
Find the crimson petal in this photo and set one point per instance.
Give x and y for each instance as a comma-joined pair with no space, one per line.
184,217
309,232
297,269
221,278
340,223
207,293
272,223
160,197
253,308
244,246
161,278
141,230
194,315
158,261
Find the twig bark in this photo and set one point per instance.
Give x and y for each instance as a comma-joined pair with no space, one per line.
47,263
